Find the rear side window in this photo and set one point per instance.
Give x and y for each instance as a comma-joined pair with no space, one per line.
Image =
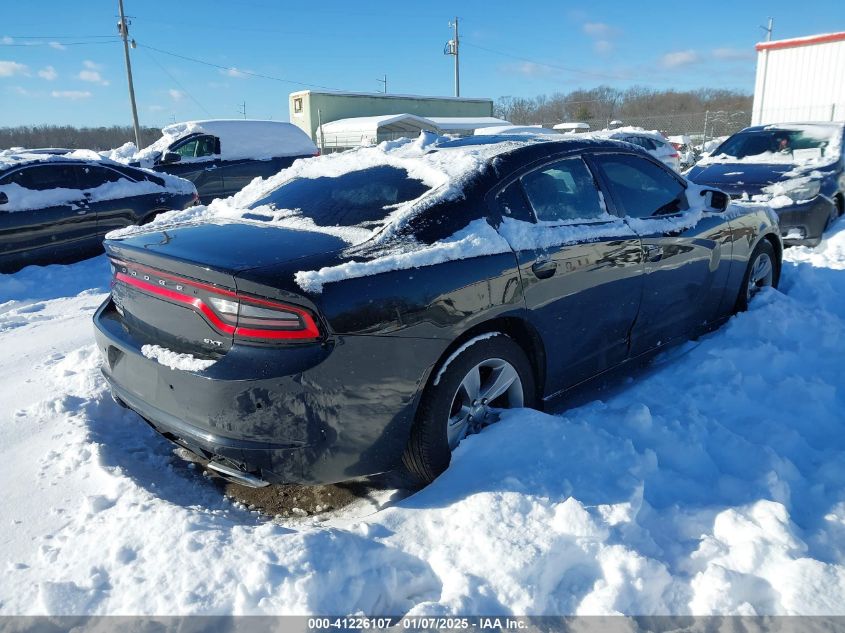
642,188
41,177
360,198
563,191
91,176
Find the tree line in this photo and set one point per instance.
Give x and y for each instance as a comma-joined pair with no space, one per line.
96,138
605,104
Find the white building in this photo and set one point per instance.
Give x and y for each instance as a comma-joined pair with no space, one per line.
800,79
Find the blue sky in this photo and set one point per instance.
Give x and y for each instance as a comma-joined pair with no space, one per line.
60,62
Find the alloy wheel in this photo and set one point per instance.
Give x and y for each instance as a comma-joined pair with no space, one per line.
491,385
760,276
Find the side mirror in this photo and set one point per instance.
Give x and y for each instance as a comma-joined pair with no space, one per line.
169,158
715,199
4,199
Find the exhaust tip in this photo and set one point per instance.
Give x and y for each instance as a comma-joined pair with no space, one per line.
234,475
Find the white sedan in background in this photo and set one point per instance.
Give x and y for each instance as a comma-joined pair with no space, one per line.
652,141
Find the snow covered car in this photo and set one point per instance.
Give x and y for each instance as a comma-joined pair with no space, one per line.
371,308
221,156
797,168
57,207
651,141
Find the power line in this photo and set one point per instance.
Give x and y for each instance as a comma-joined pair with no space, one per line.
555,66
177,82
238,71
57,37
111,41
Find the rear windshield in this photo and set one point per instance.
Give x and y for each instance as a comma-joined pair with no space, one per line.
360,198
798,144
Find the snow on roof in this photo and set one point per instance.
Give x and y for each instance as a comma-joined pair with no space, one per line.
621,132
462,123
371,124
821,38
239,138
514,129
572,125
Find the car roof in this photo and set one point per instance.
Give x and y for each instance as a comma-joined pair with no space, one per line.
12,160
794,124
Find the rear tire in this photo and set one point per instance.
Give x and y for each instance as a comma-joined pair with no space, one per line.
495,370
763,270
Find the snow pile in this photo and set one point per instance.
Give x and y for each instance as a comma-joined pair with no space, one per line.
791,191
239,139
711,482
477,239
175,360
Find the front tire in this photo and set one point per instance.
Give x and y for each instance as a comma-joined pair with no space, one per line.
763,270
486,375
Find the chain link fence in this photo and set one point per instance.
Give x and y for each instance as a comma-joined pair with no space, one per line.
699,126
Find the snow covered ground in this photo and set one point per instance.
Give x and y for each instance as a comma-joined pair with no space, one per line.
711,482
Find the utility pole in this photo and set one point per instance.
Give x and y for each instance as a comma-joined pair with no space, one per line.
242,108
768,29
763,61
123,29
384,82
452,48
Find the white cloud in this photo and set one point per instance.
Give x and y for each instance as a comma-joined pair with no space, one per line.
73,95
603,46
58,46
7,40
92,76
155,108
176,95
48,72
20,90
234,72
677,59
10,69
528,69
91,73
597,29
733,53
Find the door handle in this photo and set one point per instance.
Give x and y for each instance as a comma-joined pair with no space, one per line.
212,168
544,269
653,252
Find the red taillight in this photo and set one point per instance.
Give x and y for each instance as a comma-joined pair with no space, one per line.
245,317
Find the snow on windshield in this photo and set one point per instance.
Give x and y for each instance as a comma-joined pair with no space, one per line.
799,145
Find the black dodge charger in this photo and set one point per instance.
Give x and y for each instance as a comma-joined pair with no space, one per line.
369,318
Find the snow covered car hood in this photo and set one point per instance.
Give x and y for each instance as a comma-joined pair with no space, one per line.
751,179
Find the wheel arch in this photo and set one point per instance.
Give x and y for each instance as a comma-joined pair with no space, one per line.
777,245
518,329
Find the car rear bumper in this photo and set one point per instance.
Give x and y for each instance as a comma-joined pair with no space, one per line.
315,413
804,223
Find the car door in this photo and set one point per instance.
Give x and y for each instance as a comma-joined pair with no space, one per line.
199,162
687,252
114,207
60,224
581,268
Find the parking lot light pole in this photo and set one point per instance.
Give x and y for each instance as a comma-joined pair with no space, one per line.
123,29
